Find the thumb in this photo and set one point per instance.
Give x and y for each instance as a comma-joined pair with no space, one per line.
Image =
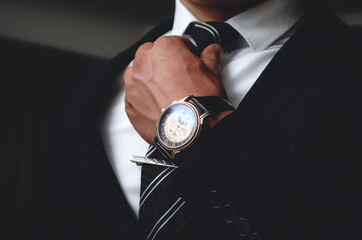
211,57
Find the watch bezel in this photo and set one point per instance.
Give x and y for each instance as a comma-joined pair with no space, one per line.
199,117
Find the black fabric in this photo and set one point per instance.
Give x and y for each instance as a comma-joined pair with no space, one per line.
286,163
167,154
208,33
78,195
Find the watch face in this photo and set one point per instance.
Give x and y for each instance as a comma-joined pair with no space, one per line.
177,126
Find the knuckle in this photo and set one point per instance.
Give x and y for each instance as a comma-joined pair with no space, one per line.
128,107
145,46
126,84
139,60
143,51
164,41
127,74
198,64
207,51
126,81
130,88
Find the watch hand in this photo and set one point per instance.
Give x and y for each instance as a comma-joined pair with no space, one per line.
174,133
184,128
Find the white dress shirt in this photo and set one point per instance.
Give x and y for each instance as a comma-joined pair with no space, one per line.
264,30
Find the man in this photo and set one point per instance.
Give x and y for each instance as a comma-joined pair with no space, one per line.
283,165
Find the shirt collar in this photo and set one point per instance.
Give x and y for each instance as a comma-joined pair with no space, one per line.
183,17
260,26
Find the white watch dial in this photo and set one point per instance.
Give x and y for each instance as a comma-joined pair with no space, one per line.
177,125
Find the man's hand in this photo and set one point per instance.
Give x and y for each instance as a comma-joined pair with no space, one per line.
165,71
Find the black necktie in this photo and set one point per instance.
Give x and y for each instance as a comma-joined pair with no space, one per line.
162,211
208,33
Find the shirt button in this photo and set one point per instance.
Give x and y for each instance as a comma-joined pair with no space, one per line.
215,199
228,214
254,236
242,227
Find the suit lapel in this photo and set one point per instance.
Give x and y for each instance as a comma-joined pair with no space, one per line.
99,90
296,65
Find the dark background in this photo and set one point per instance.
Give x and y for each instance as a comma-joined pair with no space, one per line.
45,47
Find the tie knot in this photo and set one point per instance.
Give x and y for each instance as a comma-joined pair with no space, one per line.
208,33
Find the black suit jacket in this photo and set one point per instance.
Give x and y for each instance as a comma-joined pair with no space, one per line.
285,165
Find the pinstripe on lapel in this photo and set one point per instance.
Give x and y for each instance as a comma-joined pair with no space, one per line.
306,53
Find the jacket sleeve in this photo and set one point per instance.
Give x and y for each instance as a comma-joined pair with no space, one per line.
48,218
269,188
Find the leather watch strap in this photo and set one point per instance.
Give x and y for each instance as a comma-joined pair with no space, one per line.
166,153
212,104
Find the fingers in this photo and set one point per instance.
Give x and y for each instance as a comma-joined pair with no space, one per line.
211,57
127,75
173,42
187,43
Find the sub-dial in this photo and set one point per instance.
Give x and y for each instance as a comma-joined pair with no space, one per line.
175,131
185,119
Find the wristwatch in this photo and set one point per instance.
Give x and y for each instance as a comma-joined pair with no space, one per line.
181,124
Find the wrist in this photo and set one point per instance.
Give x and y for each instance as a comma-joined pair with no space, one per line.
181,124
